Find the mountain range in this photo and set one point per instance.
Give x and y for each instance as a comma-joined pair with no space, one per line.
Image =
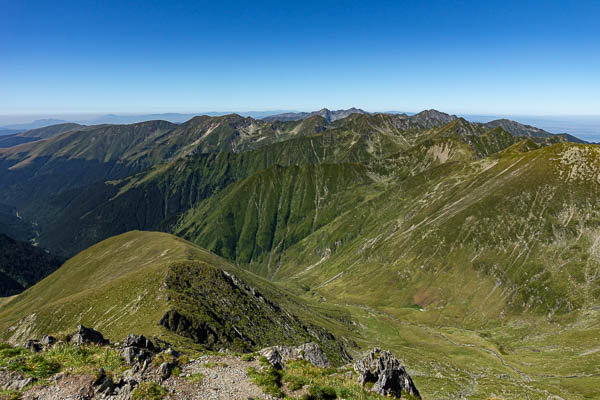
469,248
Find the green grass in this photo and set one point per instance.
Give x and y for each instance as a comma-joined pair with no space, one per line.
248,357
196,378
62,357
10,395
484,265
148,391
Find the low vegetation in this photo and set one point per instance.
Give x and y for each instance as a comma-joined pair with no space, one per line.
62,357
302,380
148,391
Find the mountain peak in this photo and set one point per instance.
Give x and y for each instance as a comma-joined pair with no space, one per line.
329,115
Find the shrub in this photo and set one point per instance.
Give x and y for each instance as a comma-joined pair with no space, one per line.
269,379
317,392
295,382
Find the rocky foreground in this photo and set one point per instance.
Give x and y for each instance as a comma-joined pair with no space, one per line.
86,366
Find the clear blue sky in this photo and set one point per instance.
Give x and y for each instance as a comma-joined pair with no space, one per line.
504,57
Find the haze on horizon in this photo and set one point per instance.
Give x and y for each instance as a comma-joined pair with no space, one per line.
491,58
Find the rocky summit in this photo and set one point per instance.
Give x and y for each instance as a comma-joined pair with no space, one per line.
233,257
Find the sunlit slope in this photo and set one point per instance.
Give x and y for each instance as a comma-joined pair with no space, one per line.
467,241
132,282
256,220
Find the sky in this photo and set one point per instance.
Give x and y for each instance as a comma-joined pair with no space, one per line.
464,57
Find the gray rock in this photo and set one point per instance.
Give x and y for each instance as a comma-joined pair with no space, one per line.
136,355
106,386
101,375
19,384
388,376
165,370
273,356
32,345
48,340
87,335
310,352
138,341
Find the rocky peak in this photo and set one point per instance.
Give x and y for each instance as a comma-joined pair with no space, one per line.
386,373
432,118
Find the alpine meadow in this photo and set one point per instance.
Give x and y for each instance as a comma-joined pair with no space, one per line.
160,241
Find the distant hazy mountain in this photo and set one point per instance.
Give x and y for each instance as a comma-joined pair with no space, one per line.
32,135
325,113
128,119
4,132
527,130
38,123
171,117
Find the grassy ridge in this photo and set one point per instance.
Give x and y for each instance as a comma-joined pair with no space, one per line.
126,284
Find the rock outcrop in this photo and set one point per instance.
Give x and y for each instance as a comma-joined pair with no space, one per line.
136,350
385,371
87,335
310,352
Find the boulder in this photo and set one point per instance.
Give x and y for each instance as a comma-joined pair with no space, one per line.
33,345
48,340
87,335
138,341
165,370
19,384
137,349
310,352
136,355
273,356
385,371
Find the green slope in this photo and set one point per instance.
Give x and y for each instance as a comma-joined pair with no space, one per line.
156,198
258,219
471,252
132,282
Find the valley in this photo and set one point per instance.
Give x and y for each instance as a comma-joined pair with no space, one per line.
469,250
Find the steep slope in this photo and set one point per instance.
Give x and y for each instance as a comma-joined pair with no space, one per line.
11,224
156,199
22,265
157,284
85,155
525,223
259,218
74,159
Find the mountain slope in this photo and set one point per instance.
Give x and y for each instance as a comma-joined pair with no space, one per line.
155,199
273,209
22,265
524,222
140,282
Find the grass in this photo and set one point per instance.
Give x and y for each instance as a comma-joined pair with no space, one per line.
148,391
248,357
196,378
468,268
267,377
10,395
318,383
62,357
